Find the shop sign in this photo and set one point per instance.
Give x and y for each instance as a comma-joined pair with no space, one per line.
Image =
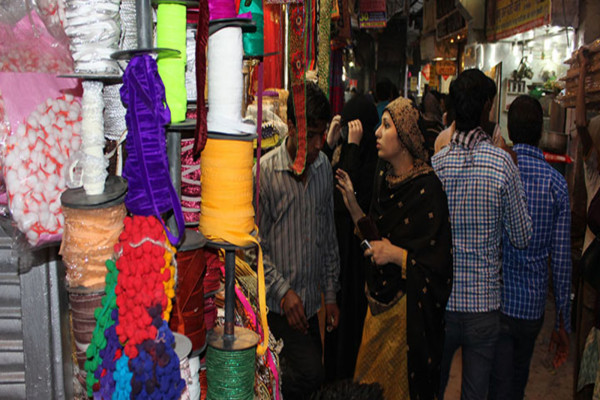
509,17
445,68
372,19
372,14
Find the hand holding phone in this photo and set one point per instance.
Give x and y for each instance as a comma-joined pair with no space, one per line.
365,245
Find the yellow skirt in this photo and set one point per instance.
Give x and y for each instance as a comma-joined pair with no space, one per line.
382,357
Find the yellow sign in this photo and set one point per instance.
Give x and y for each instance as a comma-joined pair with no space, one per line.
509,17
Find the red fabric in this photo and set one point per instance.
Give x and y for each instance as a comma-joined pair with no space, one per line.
187,317
201,42
273,64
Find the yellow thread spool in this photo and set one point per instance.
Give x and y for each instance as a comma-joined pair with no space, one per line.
226,212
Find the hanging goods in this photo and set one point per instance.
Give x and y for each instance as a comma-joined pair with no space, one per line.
88,241
323,43
171,34
297,39
201,43
151,191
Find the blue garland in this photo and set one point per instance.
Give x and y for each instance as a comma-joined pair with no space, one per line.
156,373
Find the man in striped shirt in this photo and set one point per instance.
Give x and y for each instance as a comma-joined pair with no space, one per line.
299,243
485,199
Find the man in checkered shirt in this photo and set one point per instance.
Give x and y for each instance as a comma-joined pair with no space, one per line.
485,199
525,272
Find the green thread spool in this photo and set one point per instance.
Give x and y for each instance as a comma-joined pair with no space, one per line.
230,364
254,44
171,34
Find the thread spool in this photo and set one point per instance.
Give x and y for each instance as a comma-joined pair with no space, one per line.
226,83
194,386
88,241
183,348
190,69
226,211
190,183
92,138
230,367
93,28
171,34
83,323
188,310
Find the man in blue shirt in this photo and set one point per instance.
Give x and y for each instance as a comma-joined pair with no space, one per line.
485,199
525,272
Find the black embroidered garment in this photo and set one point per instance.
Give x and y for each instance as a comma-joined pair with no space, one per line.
413,214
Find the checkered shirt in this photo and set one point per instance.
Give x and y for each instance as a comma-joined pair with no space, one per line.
485,198
525,272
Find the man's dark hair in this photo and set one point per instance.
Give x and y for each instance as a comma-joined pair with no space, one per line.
383,90
317,106
469,93
525,120
490,88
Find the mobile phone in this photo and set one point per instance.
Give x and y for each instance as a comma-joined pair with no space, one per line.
365,245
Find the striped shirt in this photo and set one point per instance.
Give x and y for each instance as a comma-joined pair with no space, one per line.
485,198
525,272
297,231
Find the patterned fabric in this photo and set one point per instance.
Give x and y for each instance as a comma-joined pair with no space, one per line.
298,231
297,40
413,215
525,272
323,39
485,198
381,360
589,373
406,119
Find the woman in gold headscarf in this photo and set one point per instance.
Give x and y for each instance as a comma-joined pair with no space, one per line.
410,275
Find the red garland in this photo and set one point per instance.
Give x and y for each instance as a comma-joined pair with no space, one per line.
140,282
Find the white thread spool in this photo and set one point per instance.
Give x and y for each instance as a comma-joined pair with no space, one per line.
190,69
226,83
93,28
183,347
194,386
92,125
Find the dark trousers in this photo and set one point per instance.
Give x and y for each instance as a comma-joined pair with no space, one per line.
513,357
302,370
476,334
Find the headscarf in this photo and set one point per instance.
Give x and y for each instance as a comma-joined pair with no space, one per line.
406,120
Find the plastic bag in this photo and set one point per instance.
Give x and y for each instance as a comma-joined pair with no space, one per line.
45,130
26,45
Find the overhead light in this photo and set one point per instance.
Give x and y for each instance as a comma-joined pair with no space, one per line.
452,40
458,37
351,64
438,59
